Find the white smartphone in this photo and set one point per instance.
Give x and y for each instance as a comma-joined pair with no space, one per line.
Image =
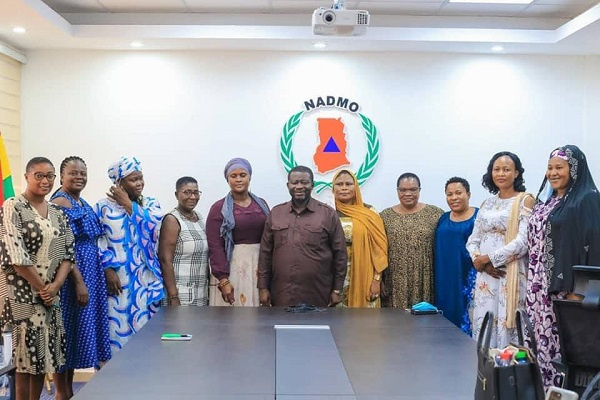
555,393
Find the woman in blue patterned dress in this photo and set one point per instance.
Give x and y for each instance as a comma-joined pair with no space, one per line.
128,251
83,296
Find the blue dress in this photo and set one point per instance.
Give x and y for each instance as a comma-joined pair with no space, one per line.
454,275
130,247
86,327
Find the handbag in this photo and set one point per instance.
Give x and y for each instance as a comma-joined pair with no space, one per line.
512,382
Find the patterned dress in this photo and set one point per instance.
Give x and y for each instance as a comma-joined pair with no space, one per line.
86,327
30,240
539,301
348,229
129,246
190,262
488,238
409,276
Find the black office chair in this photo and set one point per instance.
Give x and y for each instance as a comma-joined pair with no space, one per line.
9,372
579,331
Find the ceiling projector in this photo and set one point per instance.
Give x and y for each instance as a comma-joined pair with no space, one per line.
340,22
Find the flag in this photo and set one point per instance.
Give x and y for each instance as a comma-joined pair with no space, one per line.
6,189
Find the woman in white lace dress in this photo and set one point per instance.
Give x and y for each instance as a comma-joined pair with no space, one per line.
498,247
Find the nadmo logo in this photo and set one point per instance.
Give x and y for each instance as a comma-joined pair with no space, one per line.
331,152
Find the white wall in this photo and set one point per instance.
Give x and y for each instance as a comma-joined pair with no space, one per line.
187,113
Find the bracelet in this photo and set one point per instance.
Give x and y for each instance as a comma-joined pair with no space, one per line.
377,277
173,297
223,282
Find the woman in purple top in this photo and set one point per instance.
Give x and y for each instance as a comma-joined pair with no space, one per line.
234,228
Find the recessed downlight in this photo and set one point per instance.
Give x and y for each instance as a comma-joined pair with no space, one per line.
136,44
319,45
19,29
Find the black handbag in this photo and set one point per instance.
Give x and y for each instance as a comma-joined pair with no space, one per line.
513,382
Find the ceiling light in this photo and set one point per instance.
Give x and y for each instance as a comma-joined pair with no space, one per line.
493,1
137,45
19,29
319,45
497,48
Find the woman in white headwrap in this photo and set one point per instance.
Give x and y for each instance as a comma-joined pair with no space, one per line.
128,251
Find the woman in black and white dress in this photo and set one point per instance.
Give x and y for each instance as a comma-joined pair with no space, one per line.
183,249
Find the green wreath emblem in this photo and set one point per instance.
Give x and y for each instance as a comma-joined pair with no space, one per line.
364,171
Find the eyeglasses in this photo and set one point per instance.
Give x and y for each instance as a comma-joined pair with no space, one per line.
411,191
190,193
39,176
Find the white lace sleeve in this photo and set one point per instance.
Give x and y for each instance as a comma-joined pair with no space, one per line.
518,246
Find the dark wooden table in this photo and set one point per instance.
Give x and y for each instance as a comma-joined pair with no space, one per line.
387,354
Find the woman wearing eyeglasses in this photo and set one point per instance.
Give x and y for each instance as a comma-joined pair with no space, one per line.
410,228
183,249
83,296
36,255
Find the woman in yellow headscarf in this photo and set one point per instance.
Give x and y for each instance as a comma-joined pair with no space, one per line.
365,240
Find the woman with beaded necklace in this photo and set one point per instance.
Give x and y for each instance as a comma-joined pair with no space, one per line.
183,249
83,296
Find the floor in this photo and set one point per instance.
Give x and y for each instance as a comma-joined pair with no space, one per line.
50,396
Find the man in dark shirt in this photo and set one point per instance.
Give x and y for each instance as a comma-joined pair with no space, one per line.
303,250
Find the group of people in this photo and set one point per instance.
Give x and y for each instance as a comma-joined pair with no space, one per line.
78,281
517,250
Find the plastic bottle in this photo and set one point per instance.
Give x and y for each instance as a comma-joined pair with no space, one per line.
521,357
505,358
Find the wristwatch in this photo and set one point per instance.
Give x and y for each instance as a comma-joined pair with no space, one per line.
338,292
377,277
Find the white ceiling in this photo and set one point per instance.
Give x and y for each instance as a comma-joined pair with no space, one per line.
542,27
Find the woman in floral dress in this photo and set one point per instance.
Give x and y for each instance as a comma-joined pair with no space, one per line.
498,248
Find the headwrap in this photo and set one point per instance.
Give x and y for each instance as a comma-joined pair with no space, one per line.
123,167
573,226
228,224
369,245
237,163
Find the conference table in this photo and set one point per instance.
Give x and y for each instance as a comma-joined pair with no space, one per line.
385,354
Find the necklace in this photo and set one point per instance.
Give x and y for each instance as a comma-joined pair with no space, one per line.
190,216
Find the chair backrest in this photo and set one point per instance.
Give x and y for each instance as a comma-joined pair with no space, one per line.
587,284
579,332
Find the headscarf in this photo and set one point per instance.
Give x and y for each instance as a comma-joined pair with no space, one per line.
123,167
369,245
237,163
228,224
573,226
